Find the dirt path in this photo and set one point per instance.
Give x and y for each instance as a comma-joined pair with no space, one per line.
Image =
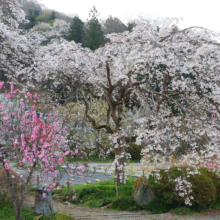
86,213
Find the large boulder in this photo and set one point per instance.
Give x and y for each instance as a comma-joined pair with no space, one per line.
44,206
142,192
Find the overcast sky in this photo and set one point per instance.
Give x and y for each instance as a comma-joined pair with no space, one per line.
204,13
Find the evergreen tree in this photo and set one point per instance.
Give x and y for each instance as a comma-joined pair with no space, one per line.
31,17
130,26
94,34
76,30
114,25
52,16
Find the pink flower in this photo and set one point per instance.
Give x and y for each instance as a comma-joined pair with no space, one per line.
6,166
68,203
12,176
80,200
21,176
29,94
74,190
59,187
44,195
74,197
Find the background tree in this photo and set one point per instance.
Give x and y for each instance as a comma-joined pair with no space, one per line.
154,68
114,25
94,37
31,17
53,15
76,32
130,26
15,49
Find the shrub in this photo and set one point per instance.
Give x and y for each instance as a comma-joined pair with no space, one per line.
214,176
203,190
204,187
165,187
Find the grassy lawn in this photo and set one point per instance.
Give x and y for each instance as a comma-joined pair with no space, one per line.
7,212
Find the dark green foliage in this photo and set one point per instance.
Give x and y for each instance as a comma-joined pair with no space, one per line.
204,190
125,203
205,187
135,151
214,177
158,206
94,37
31,17
130,26
166,188
52,16
7,211
76,30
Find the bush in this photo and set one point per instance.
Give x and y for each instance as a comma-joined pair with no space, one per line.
165,187
135,151
213,175
203,190
204,187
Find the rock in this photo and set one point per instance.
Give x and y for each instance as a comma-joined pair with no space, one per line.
43,206
98,180
142,192
89,182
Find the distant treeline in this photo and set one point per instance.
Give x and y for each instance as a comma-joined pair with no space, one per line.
90,34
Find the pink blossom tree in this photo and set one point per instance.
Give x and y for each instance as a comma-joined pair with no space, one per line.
29,140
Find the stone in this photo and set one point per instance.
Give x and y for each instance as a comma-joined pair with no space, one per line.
43,206
142,192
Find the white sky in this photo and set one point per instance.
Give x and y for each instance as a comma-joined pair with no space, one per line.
204,13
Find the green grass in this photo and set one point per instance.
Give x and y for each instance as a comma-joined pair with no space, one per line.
97,194
182,211
7,212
